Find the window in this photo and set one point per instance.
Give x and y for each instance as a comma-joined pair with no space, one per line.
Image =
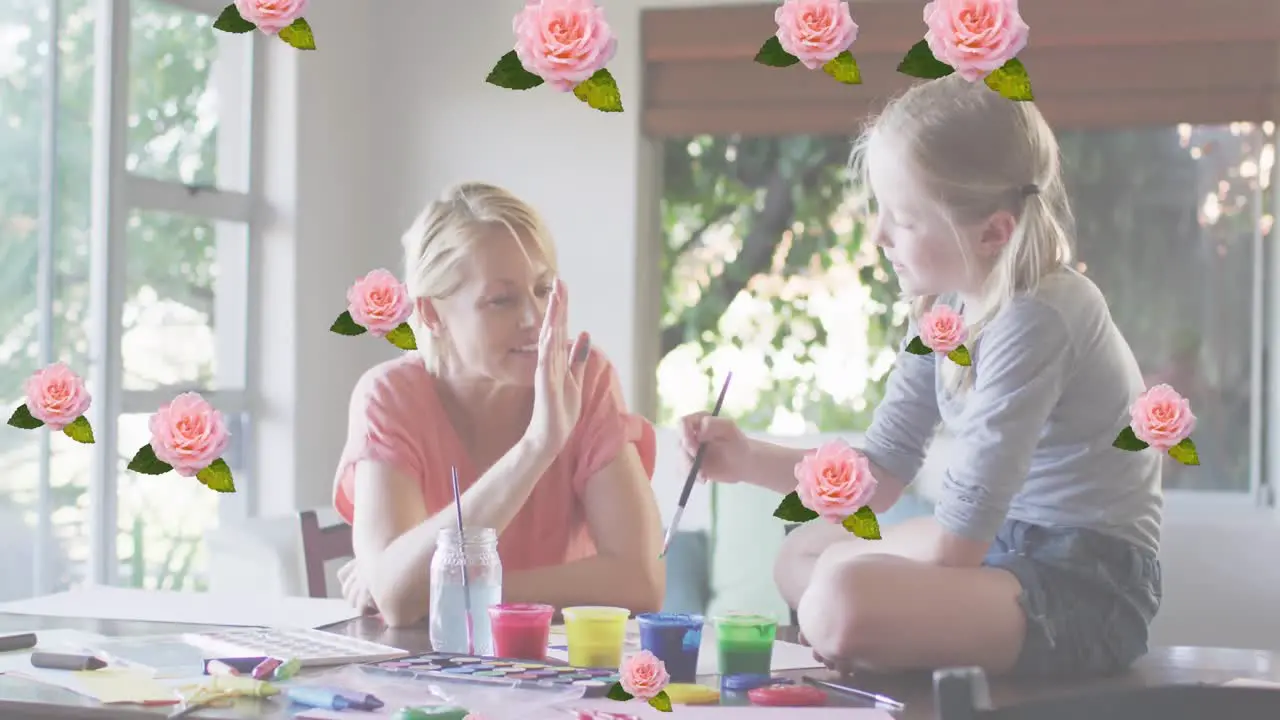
125,245
766,273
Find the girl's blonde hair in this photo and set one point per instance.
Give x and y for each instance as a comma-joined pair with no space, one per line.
977,154
439,238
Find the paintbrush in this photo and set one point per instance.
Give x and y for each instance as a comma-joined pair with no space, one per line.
466,581
693,474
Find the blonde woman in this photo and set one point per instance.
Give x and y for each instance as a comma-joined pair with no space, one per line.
534,420
1041,556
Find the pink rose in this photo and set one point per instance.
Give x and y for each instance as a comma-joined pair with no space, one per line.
563,41
815,30
942,329
379,302
272,16
834,481
56,396
188,434
644,675
1161,417
974,36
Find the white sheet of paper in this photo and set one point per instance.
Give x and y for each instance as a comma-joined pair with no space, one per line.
717,712
642,710
110,685
786,655
116,603
1250,682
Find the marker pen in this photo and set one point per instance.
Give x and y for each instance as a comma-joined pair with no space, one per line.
217,667
62,661
330,699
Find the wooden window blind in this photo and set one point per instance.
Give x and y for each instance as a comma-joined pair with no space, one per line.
1093,64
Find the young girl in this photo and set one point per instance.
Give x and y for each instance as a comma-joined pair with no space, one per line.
1041,556
547,454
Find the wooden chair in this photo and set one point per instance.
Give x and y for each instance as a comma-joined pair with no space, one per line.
962,694
319,546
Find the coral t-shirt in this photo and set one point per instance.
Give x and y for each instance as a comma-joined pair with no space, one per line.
396,418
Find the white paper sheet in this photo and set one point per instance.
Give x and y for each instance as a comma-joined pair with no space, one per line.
641,710
786,655
1251,683
115,603
717,712
110,685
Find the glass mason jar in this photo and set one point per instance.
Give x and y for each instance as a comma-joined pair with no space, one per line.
477,557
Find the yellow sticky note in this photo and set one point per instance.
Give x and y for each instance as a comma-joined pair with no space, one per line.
236,686
121,685
692,694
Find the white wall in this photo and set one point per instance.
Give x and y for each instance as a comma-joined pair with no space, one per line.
364,131
320,190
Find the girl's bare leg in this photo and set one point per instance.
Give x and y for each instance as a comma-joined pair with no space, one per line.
816,539
889,612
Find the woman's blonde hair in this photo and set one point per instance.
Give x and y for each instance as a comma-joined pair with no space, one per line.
978,153
439,238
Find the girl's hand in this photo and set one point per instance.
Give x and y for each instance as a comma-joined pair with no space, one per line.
557,399
727,457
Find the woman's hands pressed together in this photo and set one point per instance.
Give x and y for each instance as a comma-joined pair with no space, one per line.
557,401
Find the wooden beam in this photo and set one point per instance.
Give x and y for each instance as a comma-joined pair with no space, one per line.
893,26
1054,71
1064,112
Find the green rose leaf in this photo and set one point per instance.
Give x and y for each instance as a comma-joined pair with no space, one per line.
510,73
844,68
920,63
661,702
146,462
344,325
80,431
402,337
617,693
772,54
299,35
1011,81
23,419
1126,440
917,347
231,21
792,510
217,477
600,91
863,523
960,356
1185,452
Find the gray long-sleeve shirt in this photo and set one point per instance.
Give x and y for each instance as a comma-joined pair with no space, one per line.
1053,382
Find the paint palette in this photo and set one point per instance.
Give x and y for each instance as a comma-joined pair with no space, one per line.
500,671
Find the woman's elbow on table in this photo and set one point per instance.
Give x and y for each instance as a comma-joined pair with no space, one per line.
396,604
651,587
401,615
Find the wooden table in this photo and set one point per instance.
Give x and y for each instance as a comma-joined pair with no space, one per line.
21,698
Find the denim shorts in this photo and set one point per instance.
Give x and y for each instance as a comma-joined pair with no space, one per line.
1089,598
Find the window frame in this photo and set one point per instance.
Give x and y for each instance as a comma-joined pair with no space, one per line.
115,193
